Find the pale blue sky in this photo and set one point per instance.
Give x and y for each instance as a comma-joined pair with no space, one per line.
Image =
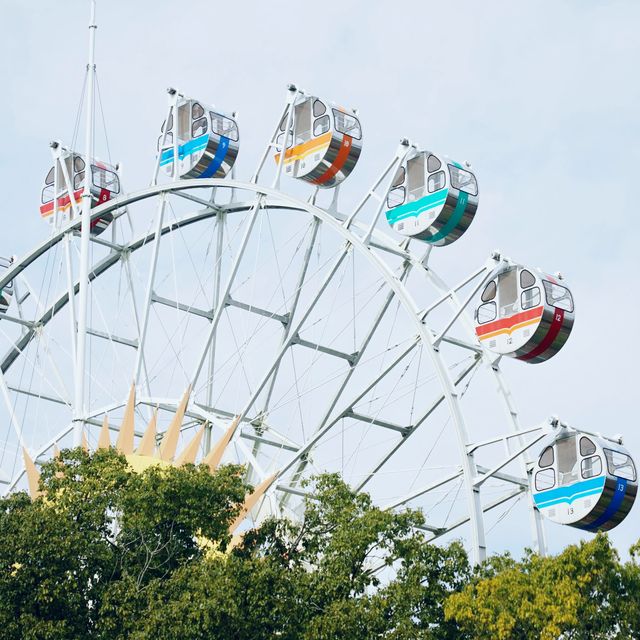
542,97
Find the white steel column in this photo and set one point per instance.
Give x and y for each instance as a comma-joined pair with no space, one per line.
347,377
220,219
152,275
72,302
227,289
15,423
79,396
293,308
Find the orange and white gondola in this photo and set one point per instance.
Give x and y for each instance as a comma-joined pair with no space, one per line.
525,314
584,481
324,142
432,198
64,186
206,141
6,293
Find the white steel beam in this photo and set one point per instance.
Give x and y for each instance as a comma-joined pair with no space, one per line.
83,302
187,308
142,336
227,288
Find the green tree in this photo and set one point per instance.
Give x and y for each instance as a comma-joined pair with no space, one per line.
106,553
583,593
317,580
109,553
97,527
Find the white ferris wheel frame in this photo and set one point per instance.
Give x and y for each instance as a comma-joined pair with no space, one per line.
358,236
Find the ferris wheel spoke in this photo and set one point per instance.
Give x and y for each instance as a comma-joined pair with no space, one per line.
492,365
27,324
315,225
70,290
414,427
38,369
136,314
250,222
217,283
485,508
39,395
371,385
297,327
209,204
353,364
15,423
113,246
142,335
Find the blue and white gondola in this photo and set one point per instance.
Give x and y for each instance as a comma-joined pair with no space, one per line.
584,481
432,198
207,141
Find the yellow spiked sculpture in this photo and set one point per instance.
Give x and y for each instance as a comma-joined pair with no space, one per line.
147,454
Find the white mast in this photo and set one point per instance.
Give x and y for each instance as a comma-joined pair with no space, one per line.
81,333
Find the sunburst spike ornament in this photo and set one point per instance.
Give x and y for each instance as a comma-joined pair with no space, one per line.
124,444
170,440
85,442
104,439
33,475
57,456
147,446
188,456
212,459
251,500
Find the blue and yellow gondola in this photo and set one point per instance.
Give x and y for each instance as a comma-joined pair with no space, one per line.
324,142
205,141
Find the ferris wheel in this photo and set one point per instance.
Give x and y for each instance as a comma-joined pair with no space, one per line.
291,333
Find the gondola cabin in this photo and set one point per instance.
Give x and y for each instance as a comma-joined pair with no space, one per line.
525,314
584,481
204,140
324,142
432,198
64,185
6,293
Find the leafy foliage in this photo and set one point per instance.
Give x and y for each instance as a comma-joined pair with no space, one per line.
107,553
583,593
98,527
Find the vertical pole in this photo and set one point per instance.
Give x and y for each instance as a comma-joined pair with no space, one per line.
165,133
140,360
272,144
251,219
72,299
56,187
220,220
15,422
176,131
81,341
293,94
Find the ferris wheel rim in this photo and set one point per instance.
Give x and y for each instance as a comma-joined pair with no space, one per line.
274,198
122,201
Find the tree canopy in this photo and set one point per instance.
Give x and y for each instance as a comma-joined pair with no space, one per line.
108,553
